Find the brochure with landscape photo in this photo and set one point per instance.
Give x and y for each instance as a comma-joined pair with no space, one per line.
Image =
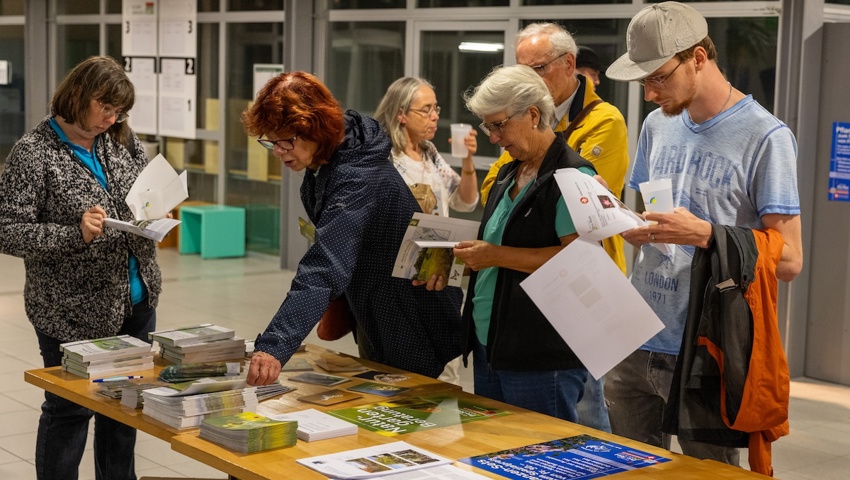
427,248
319,379
378,389
406,415
374,461
579,457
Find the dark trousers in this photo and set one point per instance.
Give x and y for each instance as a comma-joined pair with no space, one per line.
64,425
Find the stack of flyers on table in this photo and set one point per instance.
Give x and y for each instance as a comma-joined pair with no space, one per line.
183,405
105,357
249,432
427,248
156,191
199,344
312,424
131,395
377,461
186,405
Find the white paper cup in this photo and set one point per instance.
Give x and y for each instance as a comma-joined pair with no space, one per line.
657,195
459,133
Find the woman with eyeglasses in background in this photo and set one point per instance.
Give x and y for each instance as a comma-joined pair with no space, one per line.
62,179
518,357
409,113
360,208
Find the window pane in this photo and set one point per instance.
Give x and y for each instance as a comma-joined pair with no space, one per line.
571,2
254,5
12,95
208,63
12,7
253,174
365,58
76,43
455,3
113,41
208,6
746,53
364,4
113,6
77,8
452,72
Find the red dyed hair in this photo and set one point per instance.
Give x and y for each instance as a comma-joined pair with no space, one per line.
300,103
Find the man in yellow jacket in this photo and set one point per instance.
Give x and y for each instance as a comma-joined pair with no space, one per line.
600,136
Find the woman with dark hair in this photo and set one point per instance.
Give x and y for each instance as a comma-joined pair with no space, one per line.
360,207
82,281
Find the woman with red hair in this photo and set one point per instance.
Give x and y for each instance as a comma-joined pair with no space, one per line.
360,208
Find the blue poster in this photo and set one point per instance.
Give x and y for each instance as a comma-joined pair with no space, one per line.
579,457
839,163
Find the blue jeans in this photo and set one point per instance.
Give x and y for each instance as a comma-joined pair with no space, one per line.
592,411
550,392
637,390
63,425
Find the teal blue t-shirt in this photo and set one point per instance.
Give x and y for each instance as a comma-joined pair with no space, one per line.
89,159
485,284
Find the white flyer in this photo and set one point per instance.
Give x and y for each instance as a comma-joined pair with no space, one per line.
596,212
374,461
592,305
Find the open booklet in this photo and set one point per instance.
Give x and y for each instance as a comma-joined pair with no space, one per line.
156,191
427,248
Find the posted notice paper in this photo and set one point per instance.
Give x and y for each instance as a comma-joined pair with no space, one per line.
592,305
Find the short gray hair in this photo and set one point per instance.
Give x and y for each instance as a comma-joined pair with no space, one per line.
511,90
397,100
559,38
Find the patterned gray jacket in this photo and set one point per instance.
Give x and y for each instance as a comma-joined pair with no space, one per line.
73,290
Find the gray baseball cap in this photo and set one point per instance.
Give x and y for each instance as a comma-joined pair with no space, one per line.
655,35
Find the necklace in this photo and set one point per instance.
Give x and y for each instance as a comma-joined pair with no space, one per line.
728,97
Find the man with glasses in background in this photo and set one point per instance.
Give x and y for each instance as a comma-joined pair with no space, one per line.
593,128
730,162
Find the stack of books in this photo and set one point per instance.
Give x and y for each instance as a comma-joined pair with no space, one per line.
199,344
190,410
105,357
312,424
249,432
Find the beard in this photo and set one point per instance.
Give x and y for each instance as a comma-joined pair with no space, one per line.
676,109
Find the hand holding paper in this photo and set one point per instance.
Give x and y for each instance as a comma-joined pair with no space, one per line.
156,191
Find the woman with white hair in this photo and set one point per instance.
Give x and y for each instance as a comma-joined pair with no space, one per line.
518,357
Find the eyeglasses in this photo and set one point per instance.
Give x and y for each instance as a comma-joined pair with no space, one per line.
107,111
541,69
495,128
658,82
284,144
426,112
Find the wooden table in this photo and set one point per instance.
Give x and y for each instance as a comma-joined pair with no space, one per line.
521,427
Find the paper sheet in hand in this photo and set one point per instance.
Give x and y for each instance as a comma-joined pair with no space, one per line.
156,191
592,305
427,248
596,212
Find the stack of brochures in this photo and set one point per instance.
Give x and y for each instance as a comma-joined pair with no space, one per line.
312,424
105,357
249,432
199,344
131,395
188,405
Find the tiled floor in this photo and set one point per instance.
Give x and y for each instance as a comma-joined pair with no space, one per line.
244,294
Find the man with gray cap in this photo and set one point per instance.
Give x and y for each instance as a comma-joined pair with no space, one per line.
730,162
